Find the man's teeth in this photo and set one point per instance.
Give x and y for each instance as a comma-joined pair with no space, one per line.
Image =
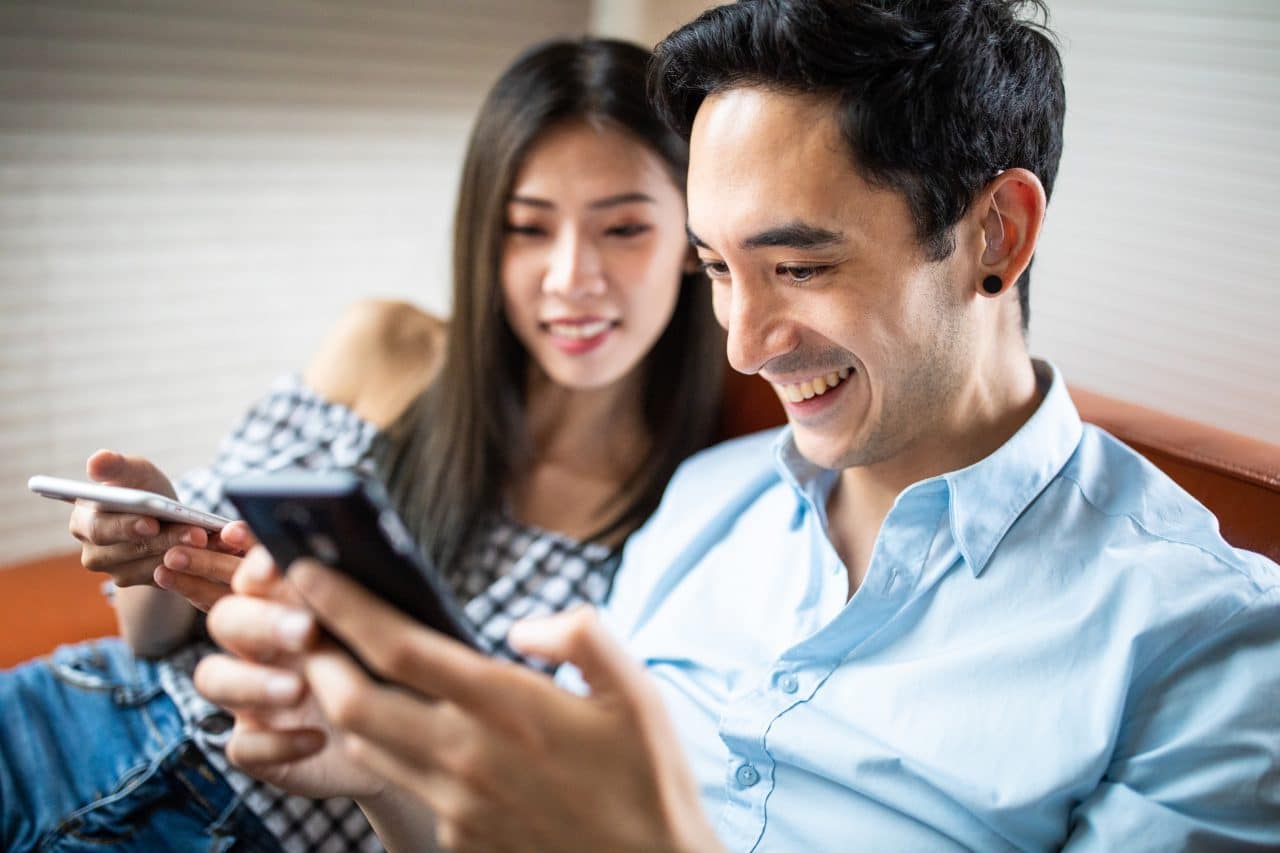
580,331
814,387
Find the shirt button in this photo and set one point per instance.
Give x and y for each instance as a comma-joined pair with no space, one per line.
747,776
788,683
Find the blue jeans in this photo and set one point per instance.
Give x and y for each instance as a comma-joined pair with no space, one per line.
94,756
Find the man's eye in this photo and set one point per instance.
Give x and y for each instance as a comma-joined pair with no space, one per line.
633,230
800,274
714,269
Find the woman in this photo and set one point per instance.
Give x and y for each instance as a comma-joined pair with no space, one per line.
580,366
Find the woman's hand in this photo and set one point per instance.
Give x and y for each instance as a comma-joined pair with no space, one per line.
203,575
136,549
280,736
504,758
127,546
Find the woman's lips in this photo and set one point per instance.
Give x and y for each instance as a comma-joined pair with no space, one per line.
577,336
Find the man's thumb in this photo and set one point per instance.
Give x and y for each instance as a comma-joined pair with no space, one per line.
578,637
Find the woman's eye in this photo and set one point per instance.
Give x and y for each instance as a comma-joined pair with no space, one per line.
801,275
632,230
525,230
714,269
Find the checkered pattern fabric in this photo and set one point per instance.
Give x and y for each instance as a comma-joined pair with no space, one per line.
510,572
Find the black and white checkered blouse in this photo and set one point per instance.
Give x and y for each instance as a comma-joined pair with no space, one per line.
511,571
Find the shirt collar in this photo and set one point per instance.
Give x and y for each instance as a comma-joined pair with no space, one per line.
989,495
985,498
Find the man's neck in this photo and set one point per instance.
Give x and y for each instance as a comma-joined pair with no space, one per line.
984,414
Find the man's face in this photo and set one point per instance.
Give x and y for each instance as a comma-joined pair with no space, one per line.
820,281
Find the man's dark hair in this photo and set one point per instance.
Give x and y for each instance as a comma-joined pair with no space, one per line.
935,97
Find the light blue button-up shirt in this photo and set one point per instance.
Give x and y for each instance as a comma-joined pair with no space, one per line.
1052,646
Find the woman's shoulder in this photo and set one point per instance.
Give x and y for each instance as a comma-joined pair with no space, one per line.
378,358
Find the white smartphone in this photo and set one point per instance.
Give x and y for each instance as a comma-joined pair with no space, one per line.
118,499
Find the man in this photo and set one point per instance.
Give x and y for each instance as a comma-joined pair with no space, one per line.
935,612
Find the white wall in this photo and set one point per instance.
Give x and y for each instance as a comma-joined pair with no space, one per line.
190,192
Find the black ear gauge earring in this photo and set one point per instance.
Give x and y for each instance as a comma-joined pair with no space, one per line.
992,284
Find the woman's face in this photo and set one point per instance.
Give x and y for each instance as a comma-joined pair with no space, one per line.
594,248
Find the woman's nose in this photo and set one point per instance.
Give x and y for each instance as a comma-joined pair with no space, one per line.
575,268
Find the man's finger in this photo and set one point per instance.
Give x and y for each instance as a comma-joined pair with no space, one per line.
577,636
258,575
239,685
401,650
410,727
258,750
260,630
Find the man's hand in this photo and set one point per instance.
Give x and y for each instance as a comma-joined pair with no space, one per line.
504,758
280,736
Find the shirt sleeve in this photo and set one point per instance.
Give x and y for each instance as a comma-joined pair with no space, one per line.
290,428
1197,761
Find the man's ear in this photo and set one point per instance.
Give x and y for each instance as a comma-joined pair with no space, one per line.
1011,209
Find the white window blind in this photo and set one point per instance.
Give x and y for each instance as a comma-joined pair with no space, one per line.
1157,275
190,192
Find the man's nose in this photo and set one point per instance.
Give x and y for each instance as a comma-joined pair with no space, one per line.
575,268
757,328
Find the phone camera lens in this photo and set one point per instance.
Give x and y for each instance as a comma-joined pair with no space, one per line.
293,516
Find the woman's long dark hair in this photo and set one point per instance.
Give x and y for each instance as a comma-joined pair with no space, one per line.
455,449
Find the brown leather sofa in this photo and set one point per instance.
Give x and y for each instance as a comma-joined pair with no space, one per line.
51,601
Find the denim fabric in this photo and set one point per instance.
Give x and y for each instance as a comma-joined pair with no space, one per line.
93,756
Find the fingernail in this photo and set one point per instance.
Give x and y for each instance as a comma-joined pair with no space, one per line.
258,569
282,687
146,527
176,560
162,577
187,538
293,630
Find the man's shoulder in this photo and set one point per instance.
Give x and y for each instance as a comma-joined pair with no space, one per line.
707,494
738,459
1138,515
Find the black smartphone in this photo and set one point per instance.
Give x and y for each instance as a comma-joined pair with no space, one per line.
346,521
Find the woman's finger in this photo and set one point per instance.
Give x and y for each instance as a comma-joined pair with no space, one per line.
202,594
201,563
235,538
104,557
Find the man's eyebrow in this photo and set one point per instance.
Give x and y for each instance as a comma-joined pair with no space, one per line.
793,235
600,203
695,239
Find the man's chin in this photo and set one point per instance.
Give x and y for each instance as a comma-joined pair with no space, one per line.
822,450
